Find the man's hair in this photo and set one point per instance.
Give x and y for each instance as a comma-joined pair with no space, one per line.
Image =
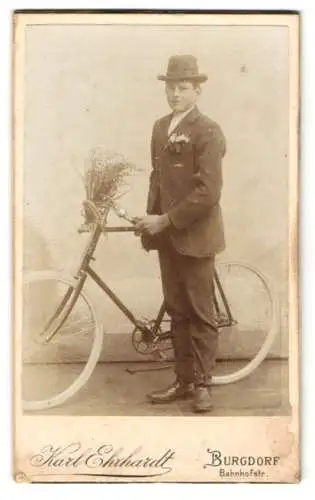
194,82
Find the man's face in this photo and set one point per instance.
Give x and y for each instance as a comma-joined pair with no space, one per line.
181,94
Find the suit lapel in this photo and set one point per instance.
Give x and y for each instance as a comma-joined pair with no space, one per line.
189,118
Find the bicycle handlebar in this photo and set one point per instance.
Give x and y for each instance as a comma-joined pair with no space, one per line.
97,218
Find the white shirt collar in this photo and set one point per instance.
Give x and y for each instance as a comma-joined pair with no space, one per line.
177,118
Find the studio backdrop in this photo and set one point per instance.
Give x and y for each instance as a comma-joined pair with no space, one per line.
96,85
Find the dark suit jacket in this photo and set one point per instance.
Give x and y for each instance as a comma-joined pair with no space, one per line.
187,184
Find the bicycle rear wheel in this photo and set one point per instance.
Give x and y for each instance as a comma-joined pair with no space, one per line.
61,339
247,340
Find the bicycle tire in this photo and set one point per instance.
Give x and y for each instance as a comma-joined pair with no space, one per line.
93,355
264,349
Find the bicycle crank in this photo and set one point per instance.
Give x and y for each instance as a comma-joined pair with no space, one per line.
146,341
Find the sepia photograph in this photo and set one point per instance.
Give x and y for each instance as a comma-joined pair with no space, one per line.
155,247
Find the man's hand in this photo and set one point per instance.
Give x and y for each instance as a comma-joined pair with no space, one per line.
152,224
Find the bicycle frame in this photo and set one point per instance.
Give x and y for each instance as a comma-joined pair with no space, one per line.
85,270
224,317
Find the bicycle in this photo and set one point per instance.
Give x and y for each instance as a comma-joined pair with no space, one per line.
69,310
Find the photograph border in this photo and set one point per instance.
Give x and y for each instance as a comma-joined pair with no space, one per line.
290,471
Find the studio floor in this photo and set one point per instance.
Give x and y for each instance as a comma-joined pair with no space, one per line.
113,391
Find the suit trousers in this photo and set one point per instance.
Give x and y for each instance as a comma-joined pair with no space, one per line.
188,293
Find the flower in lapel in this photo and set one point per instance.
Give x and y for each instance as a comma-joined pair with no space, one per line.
176,142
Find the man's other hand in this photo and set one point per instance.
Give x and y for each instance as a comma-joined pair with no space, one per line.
152,224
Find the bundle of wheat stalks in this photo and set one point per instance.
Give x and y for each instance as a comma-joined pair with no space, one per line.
104,174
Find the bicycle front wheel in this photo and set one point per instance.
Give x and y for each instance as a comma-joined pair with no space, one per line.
248,313
61,339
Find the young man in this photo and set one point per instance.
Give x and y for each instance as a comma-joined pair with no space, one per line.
184,223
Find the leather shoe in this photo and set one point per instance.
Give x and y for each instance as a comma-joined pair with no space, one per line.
202,400
178,390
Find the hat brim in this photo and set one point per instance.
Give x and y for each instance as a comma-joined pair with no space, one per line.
197,78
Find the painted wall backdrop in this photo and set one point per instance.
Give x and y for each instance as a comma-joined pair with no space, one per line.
96,85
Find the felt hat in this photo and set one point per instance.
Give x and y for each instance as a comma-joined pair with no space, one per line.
183,67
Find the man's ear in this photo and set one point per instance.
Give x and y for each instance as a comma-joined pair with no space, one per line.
198,89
